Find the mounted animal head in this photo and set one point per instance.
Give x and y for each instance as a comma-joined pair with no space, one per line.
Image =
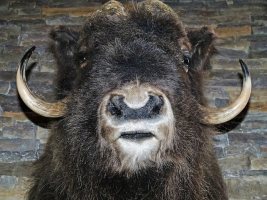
132,80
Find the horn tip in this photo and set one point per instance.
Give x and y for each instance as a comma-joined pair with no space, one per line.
244,68
28,53
33,48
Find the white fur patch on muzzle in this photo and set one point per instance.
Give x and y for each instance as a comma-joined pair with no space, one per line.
137,121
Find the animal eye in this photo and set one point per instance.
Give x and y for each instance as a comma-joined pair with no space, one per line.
82,57
186,63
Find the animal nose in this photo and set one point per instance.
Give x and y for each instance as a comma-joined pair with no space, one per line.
119,109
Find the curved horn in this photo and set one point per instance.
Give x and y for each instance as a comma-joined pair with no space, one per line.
221,115
36,104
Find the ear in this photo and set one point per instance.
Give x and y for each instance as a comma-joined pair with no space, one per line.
202,43
64,45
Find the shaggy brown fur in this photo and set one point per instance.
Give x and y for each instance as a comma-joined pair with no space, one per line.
151,44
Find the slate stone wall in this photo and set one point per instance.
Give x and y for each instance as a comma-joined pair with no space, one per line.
241,144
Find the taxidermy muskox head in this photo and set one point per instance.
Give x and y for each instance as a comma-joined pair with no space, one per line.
132,121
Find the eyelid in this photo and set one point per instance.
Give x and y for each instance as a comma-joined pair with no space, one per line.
187,54
82,53
82,48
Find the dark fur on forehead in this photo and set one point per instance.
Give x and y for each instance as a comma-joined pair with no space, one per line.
150,21
161,28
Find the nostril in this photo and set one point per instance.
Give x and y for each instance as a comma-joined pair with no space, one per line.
114,110
157,103
115,106
156,109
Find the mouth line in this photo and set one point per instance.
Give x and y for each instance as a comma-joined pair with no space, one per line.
137,135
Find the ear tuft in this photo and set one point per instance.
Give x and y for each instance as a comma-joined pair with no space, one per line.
202,42
64,34
64,45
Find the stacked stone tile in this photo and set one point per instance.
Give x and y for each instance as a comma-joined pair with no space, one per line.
241,145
